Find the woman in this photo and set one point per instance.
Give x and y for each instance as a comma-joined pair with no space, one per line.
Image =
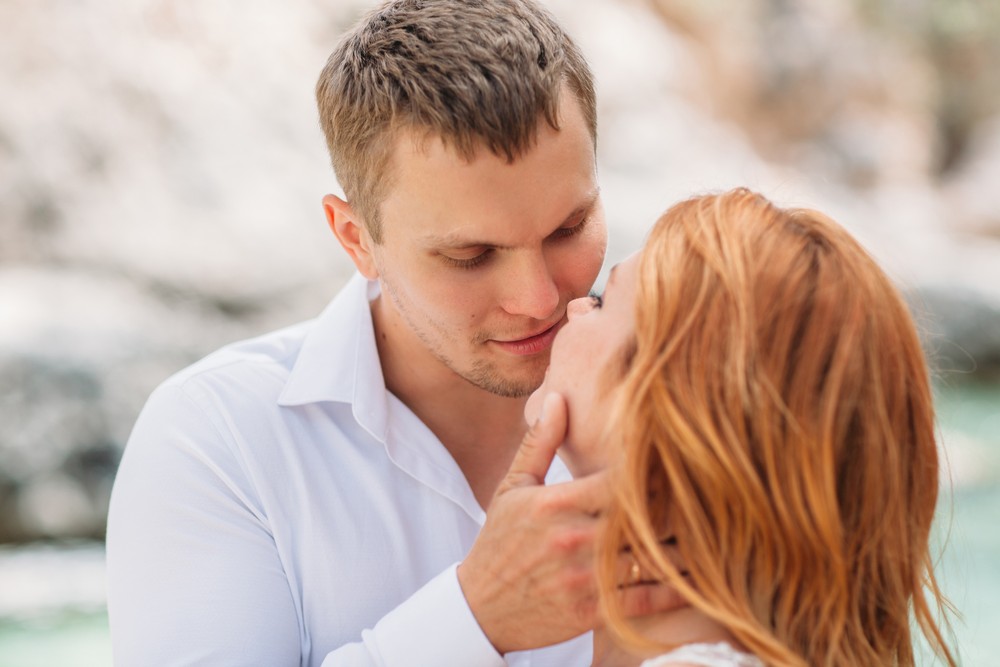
757,386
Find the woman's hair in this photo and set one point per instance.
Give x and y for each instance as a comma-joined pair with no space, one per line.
776,417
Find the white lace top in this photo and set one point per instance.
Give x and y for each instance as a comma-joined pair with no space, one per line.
709,655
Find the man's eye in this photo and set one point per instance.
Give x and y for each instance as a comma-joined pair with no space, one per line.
596,299
566,232
469,263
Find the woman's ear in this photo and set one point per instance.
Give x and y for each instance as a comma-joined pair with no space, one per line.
350,230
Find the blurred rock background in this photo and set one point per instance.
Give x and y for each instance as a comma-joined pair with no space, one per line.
161,170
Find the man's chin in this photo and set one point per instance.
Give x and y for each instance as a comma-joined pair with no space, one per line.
508,385
504,387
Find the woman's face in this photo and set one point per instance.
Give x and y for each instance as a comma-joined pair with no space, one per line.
596,334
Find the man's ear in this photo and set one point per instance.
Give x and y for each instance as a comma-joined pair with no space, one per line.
350,230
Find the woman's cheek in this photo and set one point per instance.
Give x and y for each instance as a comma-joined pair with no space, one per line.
581,460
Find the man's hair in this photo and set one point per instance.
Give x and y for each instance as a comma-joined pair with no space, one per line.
777,417
470,72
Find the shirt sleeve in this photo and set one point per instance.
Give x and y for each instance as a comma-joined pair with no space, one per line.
194,576
435,626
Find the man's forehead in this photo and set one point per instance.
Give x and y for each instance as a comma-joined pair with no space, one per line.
438,198
464,237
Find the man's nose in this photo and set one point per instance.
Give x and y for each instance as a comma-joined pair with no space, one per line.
531,290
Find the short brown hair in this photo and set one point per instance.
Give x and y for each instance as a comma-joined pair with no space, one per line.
473,74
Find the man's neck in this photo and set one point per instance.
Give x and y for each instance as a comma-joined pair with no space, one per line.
481,430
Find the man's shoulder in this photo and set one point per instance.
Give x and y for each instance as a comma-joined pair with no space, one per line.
252,365
266,362
232,394
248,384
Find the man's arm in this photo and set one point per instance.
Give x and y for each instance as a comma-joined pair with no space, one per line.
193,573
529,577
195,577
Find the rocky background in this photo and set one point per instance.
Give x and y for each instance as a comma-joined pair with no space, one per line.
161,170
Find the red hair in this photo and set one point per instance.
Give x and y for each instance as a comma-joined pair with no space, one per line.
777,418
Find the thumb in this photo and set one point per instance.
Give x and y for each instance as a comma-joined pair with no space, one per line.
539,446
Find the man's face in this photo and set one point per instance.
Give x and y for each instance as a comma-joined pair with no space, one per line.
478,260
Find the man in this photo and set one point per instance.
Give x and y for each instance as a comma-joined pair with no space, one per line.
318,495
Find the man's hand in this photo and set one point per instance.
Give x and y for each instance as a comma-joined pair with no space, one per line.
529,578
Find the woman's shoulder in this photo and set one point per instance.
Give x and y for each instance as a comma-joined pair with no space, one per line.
704,655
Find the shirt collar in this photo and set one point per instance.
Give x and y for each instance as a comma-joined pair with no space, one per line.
339,362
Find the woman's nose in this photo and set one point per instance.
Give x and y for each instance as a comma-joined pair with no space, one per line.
579,306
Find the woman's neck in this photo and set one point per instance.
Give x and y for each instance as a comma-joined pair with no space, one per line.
687,625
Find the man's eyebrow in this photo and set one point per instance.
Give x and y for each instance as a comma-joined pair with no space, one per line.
455,241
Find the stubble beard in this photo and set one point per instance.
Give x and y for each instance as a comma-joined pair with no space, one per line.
488,378
483,374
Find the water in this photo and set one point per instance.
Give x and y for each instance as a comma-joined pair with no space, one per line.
69,638
970,574
969,518
51,600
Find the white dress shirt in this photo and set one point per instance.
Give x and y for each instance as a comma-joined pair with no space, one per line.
277,506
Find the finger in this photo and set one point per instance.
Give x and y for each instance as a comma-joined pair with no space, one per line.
534,457
645,599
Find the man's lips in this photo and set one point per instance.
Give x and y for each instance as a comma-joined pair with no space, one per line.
531,344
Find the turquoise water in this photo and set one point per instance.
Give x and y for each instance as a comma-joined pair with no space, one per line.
969,519
968,528
970,574
80,640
